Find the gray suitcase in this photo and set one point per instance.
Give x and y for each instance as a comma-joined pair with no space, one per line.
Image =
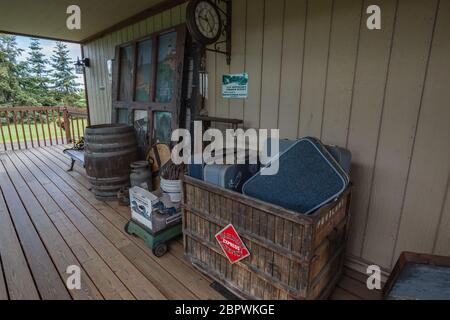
231,176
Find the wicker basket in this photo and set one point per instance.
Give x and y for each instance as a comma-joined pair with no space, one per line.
292,256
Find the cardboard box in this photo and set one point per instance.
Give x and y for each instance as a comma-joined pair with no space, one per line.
141,203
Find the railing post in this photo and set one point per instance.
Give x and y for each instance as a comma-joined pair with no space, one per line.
67,125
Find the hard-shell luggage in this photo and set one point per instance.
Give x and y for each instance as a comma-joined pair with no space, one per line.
308,178
195,170
230,177
342,156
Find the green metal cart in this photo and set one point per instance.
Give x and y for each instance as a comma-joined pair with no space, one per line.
157,242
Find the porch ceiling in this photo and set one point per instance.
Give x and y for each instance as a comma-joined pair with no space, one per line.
47,18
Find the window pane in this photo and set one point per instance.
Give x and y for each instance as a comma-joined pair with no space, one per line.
165,77
141,129
126,66
143,74
122,116
162,122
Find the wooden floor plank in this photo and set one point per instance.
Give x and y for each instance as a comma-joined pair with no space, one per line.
159,270
78,175
19,281
140,286
341,294
177,267
358,288
3,289
58,249
46,276
106,281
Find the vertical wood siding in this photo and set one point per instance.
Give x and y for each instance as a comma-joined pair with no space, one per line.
315,69
103,49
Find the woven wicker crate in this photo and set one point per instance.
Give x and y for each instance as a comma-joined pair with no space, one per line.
292,256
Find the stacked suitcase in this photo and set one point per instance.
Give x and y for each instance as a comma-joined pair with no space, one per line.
308,178
310,175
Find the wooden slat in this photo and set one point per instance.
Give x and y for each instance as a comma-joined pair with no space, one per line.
77,122
292,66
29,129
48,127
315,66
238,52
358,289
3,289
271,64
342,294
55,129
253,58
169,263
341,69
104,278
175,15
427,184
3,134
23,130
43,127
210,101
104,242
36,127
46,276
16,130
56,246
8,124
405,82
367,103
18,277
222,105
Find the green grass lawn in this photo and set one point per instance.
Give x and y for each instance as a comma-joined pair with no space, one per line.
33,131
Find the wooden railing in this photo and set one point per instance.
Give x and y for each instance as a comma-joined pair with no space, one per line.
30,127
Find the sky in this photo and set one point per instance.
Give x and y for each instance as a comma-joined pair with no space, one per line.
47,49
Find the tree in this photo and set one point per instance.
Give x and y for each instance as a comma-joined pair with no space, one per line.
63,77
38,82
12,88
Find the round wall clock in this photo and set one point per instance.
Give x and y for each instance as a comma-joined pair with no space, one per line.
203,21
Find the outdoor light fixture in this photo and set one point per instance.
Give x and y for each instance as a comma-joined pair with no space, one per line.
80,64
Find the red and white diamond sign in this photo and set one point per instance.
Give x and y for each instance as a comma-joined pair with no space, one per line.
232,244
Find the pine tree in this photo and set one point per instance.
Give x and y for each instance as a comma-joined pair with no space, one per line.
38,83
63,77
38,64
12,74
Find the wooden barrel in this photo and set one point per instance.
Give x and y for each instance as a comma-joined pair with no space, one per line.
109,151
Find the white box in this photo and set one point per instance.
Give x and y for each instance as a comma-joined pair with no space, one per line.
141,203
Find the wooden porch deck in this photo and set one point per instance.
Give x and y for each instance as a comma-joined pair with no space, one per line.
50,220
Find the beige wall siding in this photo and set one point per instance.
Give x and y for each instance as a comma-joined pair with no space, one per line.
103,49
315,69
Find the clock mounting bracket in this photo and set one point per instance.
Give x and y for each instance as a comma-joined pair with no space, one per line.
224,46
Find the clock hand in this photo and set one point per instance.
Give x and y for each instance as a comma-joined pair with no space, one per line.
207,21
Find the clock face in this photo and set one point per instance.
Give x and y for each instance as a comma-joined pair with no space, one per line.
207,19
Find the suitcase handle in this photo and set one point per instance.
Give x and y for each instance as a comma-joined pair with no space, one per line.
236,181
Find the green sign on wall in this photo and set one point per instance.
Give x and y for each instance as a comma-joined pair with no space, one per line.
235,86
